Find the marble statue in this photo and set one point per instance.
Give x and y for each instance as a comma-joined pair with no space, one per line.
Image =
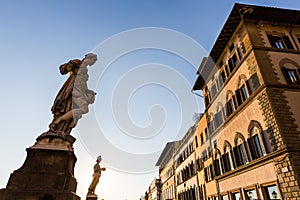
74,97
96,176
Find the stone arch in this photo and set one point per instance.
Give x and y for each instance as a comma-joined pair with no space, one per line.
219,107
217,153
257,126
252,124
241,80
226,144
238,136
285,61
229,94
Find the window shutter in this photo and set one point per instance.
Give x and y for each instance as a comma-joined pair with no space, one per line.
205,174
216,167
253,83
238,97
225,166
236,156
249,86
272,41
212,175
286,76
233,158
287,42
252,148
298,75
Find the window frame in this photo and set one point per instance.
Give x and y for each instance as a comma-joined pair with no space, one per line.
289,79
266,192
280,41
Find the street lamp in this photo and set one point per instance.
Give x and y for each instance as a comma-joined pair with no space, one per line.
274,194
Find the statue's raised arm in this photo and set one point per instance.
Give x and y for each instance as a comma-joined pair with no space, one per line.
74,97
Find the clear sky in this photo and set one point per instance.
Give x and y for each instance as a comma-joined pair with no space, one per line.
148,54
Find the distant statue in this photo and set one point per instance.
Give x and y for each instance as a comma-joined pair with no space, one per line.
96,176
74,97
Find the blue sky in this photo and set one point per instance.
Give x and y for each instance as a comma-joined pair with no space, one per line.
37,36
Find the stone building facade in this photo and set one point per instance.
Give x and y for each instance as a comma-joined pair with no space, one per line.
246,143
251,85
167,171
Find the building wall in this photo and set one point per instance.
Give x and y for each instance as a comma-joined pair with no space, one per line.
247,140
168,181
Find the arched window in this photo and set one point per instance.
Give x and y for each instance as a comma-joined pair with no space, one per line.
229,104
255,141
219,116
290,70
210,123
217,163
291,75
240,150
227,157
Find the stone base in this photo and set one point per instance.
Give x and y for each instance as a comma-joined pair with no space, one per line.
47,174
91,197
6,194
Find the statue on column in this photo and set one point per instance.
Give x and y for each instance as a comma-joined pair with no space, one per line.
96,177
74,97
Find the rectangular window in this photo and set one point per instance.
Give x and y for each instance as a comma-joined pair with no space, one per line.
196,141
236,196
251,194
201,139
280,42
272,192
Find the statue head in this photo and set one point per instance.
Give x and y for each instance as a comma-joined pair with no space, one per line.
99,159
90,58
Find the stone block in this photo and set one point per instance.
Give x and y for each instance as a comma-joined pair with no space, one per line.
47,173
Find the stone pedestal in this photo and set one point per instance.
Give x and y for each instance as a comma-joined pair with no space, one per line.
47,173
91,197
